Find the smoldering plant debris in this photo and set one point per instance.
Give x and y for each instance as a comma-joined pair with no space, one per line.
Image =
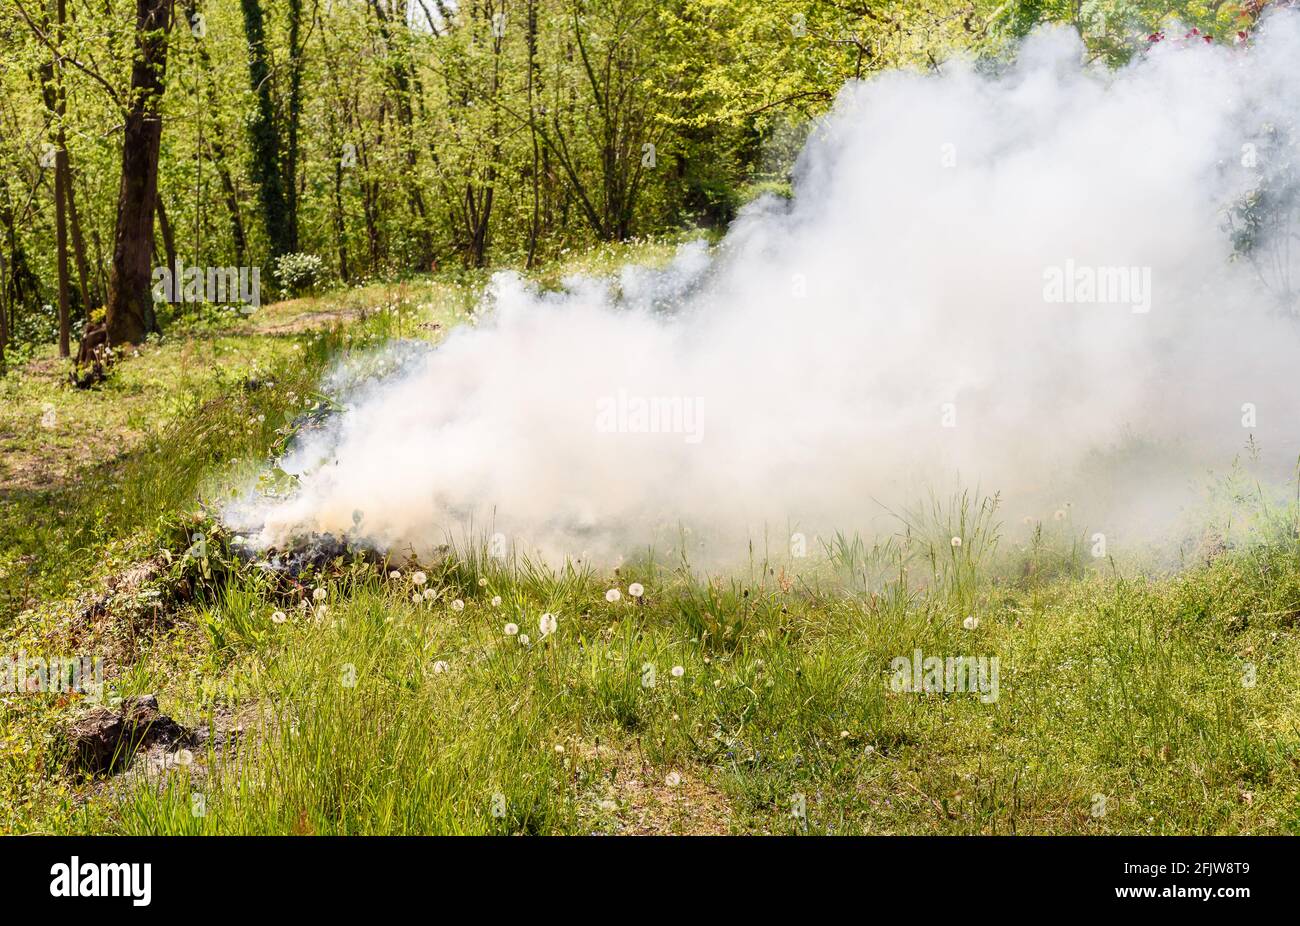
312,553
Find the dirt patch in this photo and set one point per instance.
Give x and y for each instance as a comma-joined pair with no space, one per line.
212,748
105,740
306,314
630,797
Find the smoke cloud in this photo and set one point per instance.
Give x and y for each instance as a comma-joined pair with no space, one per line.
1021,281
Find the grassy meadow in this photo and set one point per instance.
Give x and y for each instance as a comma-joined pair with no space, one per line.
487,694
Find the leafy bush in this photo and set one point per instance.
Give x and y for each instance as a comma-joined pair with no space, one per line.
297,273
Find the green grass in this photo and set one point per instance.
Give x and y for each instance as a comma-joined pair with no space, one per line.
1127,703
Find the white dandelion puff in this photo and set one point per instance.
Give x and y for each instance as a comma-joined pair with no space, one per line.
636,590
613,595
547,624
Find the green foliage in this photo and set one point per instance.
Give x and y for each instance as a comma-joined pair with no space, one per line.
1265,222
388,139
298,273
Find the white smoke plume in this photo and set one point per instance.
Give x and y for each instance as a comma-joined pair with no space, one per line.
916,317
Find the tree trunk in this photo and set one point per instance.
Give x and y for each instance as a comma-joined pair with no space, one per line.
169,256
22,286
340,224
231,198
56,105
292,118
168,237
217,152
534,88
88,299
402,71
61,243
264,139
130,297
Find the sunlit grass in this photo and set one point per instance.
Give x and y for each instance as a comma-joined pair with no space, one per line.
756,699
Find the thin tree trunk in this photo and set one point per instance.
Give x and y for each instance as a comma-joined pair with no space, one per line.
340,227
264,138
231,198
22,284
61,243
168,237
292,118
56,104
534,78
217,151
402,73
88,299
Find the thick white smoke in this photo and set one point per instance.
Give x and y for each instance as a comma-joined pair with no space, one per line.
918,316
